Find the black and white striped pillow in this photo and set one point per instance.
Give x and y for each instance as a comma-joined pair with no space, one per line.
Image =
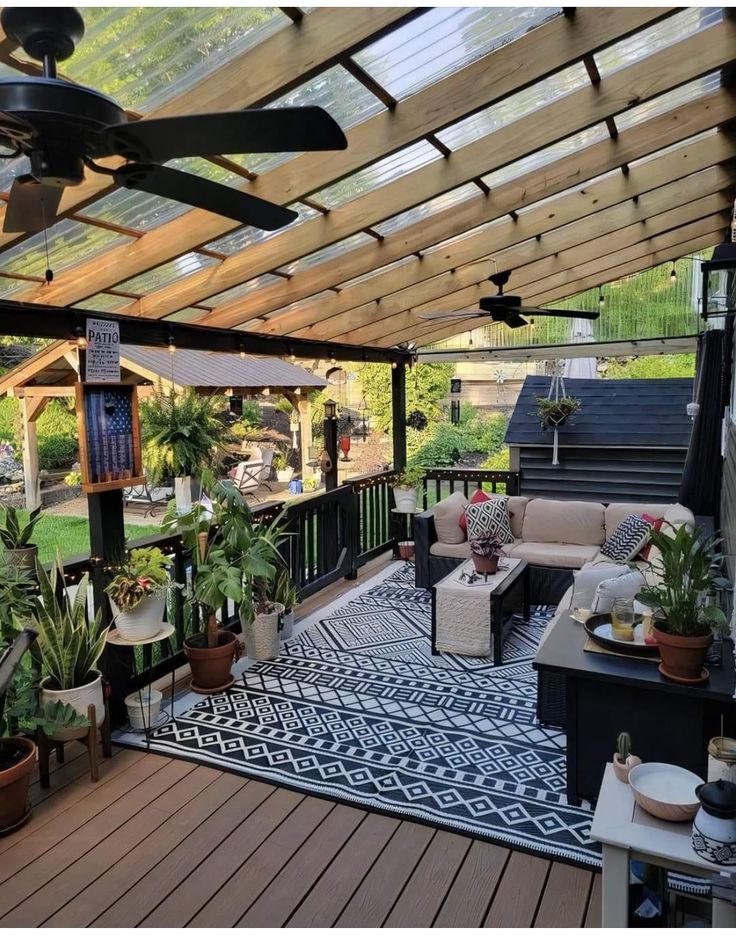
627,540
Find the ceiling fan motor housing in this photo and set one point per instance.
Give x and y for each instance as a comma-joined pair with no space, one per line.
44,32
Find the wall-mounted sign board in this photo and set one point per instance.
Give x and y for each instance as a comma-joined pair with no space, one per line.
109,436
103,350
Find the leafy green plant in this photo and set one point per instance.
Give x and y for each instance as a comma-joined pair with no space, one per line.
685,566
486,544
70,642
279,462
283,589
181,434
73,478
17,602
552,413
14,534
143,573
409,478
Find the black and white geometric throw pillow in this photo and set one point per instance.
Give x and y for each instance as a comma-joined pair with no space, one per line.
492,516
627,540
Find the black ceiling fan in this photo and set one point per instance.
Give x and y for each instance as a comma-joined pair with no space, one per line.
508,309
64,127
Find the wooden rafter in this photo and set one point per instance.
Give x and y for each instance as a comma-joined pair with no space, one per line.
294,179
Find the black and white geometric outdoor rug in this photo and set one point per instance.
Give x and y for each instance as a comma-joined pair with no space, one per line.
358,710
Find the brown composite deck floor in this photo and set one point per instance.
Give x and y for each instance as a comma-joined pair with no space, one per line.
161,842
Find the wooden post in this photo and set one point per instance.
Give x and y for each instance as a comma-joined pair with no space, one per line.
398,414
305,432
30,410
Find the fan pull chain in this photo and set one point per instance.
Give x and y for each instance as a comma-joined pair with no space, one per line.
49,275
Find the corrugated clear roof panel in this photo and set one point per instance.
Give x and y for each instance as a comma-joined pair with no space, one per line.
190,314
144,56
648,41
283,310
386,170
243,237
515,107
426,209
379,270
167,273
105,302
443,40
137,210
9,286
70,242
359,240
242,289
548,155
337,92
669,101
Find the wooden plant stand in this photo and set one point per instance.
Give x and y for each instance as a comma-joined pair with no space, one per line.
46,745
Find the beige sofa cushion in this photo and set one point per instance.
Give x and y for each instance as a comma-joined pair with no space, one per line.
447,518
678,515
517,508
549,521
617,511
439,549
570,556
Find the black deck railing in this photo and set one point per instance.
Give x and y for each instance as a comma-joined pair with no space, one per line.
441,482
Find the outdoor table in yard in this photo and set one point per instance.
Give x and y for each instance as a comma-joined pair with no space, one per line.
470,616
628,833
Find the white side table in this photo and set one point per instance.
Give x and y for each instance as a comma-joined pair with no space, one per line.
628,833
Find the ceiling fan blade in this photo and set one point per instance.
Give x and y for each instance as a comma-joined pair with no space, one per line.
564,313
201,193
455,314
31,205
514,321
262,130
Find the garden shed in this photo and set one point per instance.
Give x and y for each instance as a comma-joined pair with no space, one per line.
628,441
52,373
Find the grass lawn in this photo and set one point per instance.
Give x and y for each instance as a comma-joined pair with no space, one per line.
71,535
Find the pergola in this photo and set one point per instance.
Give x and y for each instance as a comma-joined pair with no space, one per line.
575,146
53,372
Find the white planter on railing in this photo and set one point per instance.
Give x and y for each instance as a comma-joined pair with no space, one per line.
79,698
405,498
143,621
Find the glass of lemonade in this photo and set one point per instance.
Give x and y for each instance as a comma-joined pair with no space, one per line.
622,620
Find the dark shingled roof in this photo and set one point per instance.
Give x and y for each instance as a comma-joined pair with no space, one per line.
633,413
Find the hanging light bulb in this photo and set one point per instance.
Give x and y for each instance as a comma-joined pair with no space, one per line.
172,347
242,353
81,338
470,339
673,274
601,298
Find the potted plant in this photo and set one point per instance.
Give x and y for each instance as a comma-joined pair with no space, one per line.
406,489
623,760
70,645
286,594
138,593
16,536
486,549
417,420
554,412
181,437
284,472
17,753
684,569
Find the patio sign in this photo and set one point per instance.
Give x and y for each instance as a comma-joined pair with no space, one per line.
103,350
109,436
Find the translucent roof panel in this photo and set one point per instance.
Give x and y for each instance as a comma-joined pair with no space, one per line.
70,242
426,209
515,107
144,56
379,270
137,210
243,237
384,171
548,155
242,289
105,302
190,314
337,92
648,41
9,286
359,240
443,40
283,310
669,101
167,273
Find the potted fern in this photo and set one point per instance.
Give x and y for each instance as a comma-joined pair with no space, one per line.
16,536
138,593
553,412
70,643
181,438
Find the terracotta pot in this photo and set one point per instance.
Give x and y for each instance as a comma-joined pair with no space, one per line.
79,698
211,666
14,781
23,556
406,550
621,769
683,657
485,565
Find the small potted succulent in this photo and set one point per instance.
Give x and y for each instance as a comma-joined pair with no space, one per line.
138,592
623,760
554,412
486,548
285,592
284,471
16,536
686,567
406,489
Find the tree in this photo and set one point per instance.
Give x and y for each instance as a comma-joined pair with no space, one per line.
426,386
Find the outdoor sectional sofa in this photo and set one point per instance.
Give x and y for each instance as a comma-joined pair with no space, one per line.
554,537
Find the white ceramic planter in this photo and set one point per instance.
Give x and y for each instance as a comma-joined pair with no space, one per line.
144,717
143,621
187,490
406,499
79,698
262,635
284,475
287,629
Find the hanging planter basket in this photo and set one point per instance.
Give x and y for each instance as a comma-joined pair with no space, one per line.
417,420
554,413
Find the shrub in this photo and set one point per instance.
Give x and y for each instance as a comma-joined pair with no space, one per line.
251,416
58,443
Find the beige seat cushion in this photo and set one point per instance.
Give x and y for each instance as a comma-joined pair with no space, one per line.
570,556
517,508
617,511
564,606
447,515
548,521
678,515
440,549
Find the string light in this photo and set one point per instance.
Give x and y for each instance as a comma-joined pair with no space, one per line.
601,298
81,338
242,353
673,273
172,347
394,365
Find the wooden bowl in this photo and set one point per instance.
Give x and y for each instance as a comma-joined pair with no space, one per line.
665,791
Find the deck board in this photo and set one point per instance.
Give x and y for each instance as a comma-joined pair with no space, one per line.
517,897
466,905
565,897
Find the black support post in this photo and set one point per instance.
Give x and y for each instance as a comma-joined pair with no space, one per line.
398,413
330,431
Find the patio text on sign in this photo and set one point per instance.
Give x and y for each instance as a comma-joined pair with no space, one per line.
103,350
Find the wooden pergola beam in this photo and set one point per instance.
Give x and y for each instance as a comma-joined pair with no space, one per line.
631,145
660,72
271,68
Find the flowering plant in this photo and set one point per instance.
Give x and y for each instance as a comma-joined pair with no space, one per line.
142,574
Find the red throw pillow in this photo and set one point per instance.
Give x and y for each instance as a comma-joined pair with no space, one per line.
478,496
656,524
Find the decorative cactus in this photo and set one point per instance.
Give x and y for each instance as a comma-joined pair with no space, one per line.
624,746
